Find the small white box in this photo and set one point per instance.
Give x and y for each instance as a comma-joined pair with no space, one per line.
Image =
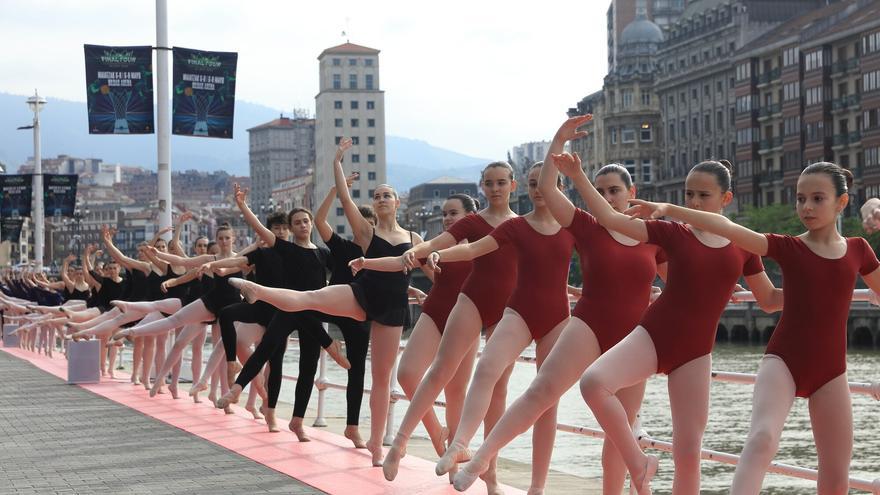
9,339
84,361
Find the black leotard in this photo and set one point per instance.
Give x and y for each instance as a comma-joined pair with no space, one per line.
178,291
383,295
221,294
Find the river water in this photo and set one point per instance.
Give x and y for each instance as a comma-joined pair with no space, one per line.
730,409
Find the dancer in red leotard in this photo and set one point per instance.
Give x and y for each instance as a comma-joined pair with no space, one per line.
537,311
480,305
617,273
806,356
428,330
677,332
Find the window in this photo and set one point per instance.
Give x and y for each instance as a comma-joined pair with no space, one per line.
696,156
646,98
337,140
706,90
694,94
355,140
815,131
355,158
340,212
869,119
368,62
872,156
630,167
744,104
613,135
646,171
355,122
371,122
436,193
719,86
871,42
337,81
354,105
627,97
337,122
371,191
337,62
791,56
719,119
369,81
352,62
371,175
720,151
791,91
628,135
745,136
871,81
681,97
792,126
371,140
695,129
743,71
371,105
813,95
645,134
355,193
352,81
813,60
671,103
671,131
340,229
371,158
707,123
683,128
337,105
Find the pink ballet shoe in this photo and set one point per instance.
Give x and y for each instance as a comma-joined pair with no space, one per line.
391,464
335,352
454,454
650,470
466,476
247,289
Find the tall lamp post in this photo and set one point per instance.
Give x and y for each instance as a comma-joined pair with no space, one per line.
35,103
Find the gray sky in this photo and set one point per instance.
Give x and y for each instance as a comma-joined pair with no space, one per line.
471,76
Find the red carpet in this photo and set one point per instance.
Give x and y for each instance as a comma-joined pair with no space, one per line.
327,463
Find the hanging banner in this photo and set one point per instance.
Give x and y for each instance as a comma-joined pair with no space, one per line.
15,195
119,82
10,229
59,194
204,93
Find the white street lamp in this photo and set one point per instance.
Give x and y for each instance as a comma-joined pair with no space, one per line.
35,103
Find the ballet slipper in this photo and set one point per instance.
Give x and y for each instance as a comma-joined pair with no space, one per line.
296,426
391,464
247,288
154,389
466,476
535,491
269,413
229,398
454,454
644,487
195,389
121,334
353,433
254,412
375,452
228,410
173,390
335,352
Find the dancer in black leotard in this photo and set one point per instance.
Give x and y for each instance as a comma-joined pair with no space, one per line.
367,295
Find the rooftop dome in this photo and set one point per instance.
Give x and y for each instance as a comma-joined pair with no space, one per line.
641,30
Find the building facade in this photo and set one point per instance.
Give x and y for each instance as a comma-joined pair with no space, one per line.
424,205
278,150
351,104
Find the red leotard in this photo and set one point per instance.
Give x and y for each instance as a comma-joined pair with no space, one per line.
492,277
444,291
683,321
617,280
541,293
811,334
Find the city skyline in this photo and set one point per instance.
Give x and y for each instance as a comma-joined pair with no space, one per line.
476,84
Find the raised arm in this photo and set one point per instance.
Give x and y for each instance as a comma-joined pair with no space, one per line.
65,265
261,230
251,247
570,165
362,229
174,247
421,250
117,255
463,252
174,282
557,202
159,234
325,230
161,265
715,223
87,268
180,261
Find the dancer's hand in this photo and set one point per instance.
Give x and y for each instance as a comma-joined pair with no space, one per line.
733,297
344,145
417,294
166,285
569,165
204,269
239,194
187,215
351,178
164,231
434,261
357,265
646,210
70,257
99,253
568,131
871,215
409,260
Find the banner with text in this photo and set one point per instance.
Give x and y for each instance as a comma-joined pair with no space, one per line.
59,194
204,93
119,82
15,195
10,229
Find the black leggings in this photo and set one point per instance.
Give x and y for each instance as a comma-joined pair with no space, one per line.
260,313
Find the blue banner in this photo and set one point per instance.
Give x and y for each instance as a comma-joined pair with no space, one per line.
15,195
204,93
119,81
59,194
10,230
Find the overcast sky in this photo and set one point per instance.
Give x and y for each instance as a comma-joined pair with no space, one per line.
474,77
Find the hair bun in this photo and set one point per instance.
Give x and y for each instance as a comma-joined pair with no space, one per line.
727,165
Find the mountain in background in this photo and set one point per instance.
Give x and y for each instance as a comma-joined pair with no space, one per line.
65,131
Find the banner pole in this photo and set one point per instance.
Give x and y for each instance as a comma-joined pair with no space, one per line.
163,127
37,189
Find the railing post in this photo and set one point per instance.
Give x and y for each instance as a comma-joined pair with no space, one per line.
389,422
321,384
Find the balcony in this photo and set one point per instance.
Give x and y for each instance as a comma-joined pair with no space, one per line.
766,78
843,66
768,145
770,175
768,111
845,102
854,138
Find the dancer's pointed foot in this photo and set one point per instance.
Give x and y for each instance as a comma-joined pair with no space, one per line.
118,336
249,290
269,412
172,388
535,491
123,306
296,426
641,485
196,389
376,453
230,397
354,434
466,476
155,388
455,454
391,464
254,411
335,352
228,410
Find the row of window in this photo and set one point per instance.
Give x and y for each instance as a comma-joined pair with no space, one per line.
813,60
355,105
790,56
695,57
815,95
353,81
628,134
791,91
871,81
354,122
356,140
871,42
695,129
707,91
352,62
872,158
